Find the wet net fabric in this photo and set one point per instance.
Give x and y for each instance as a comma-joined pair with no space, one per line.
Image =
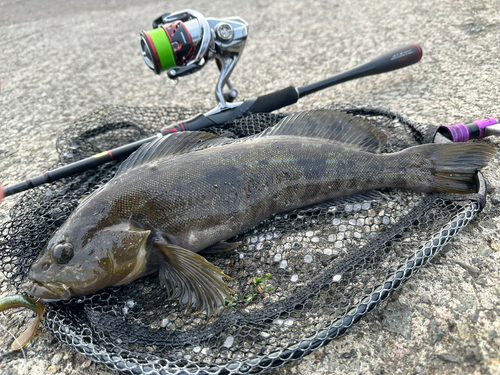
300,279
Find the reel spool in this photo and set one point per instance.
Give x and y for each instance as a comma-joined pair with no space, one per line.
181,43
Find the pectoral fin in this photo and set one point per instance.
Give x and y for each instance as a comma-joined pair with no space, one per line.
191,279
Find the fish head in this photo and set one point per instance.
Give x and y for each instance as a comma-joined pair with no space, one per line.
80,260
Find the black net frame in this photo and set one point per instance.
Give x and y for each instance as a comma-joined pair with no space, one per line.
300,279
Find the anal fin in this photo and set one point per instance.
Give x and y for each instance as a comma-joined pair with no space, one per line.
367,196
219,247
193,280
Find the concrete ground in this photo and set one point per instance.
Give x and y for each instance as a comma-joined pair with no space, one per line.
61,59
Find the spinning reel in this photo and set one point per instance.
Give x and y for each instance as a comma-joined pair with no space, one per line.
181,43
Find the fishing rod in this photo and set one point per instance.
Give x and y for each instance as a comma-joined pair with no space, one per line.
180,44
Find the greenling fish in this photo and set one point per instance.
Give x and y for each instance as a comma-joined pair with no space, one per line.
190,191
16,301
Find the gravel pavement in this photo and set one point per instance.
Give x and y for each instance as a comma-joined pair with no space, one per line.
61,59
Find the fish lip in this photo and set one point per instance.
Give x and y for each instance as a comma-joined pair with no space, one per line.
49,292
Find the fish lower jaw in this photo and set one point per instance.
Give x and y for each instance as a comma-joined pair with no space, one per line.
49,292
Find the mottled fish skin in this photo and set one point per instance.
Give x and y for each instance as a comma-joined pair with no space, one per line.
146,217
211,195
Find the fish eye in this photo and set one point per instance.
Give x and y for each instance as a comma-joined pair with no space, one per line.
63,252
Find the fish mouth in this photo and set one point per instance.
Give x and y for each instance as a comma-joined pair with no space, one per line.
49,292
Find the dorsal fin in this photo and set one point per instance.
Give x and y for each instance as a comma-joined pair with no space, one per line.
333,125
170,145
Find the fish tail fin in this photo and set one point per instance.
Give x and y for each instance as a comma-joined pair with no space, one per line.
453,166
191,279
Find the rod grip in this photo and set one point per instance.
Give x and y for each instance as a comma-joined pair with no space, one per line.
397,59
276,100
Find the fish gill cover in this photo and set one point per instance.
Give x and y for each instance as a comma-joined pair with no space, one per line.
300,279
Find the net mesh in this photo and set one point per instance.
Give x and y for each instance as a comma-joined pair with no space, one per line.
300,279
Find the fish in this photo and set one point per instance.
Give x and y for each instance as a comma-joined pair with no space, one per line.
184,195
21,300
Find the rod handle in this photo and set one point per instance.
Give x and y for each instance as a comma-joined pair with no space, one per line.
275,100
397,59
